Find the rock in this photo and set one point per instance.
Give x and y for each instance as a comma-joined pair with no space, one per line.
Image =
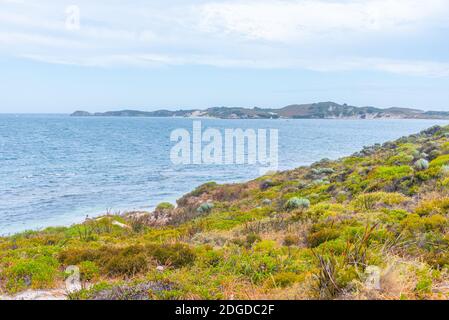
57,294
140,291
154,219
121,225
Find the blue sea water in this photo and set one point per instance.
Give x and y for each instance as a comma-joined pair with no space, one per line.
56,169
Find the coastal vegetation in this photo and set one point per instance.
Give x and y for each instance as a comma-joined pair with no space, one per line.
373,225
320,110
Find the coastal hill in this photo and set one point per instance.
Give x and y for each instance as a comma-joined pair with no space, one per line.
321,110
373,225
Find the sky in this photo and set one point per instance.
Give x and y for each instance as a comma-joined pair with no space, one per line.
58,56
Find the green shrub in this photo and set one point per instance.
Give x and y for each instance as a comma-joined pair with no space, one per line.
434,154
414,223
400,159
444,170
314,239
440,161
437,260
291,240
421,165
176,255
327,286
337,246
89,270
205,207
424,284
204,188
74,256
297,203
36,273
369,201
164,206
444,183
391,173
320,171
138,225
128,262
435,222
212,258
266,184
131,260
283,279
431,173
251,239
266,202
433,206
394,215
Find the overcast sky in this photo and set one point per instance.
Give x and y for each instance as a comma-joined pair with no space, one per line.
197,53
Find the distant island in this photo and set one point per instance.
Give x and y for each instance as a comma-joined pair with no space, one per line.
321,110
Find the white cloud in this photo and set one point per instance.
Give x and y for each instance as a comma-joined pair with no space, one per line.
145,60
320,35
406,67
292,20
34,39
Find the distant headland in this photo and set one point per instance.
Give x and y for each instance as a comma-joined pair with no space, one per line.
321,110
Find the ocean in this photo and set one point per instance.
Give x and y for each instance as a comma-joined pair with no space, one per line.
56,170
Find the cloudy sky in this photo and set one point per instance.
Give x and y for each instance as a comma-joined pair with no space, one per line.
199,53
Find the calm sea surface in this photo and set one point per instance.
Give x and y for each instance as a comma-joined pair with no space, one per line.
55,170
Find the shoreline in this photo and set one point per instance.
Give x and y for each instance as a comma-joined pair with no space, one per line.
217,118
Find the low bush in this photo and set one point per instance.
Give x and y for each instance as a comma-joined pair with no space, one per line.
127,262
131,260
251,239
89,271
283,279
314,239
416,224
291,240
36,273
164,206
176,255
440,161
391,173
433,206
400,159
369,201
421,165
297,203
205,207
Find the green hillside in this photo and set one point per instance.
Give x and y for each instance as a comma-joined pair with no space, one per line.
374,225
